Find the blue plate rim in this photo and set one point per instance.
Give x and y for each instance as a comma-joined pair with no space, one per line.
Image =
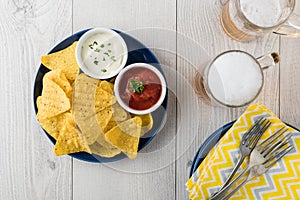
92,157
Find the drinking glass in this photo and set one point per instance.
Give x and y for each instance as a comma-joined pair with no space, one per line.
244,20
234,78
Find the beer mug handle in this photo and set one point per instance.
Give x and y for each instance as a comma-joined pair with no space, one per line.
268,60
290,28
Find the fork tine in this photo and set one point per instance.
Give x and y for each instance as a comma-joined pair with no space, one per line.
279,156
260,130
272,138
280,144
256,137
253,128
253,133
280,147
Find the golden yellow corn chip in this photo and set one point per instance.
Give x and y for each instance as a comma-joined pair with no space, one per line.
69,140
131,156
103,99
106,147
107,86
119,114
54,125
147,123
104,117
111,124
84,108
64,60
53,100
98,149
126,136
58,77
103,142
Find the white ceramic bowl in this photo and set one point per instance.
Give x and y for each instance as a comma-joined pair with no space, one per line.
94,73
163,88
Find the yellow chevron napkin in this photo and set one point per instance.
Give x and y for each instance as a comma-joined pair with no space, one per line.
281,181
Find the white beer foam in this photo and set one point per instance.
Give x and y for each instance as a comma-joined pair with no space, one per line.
264,13
235,78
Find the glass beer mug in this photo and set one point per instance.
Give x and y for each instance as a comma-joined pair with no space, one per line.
234,78
244,20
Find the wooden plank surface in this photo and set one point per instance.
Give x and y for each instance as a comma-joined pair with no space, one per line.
152,174
290,81
29,169
28,29
199,21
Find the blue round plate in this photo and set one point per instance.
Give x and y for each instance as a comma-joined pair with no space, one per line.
209,143
137,52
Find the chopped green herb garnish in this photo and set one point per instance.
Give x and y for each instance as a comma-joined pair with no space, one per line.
136,86
113,58
91,46
97,50
96,62
105,53
108,44
109,50
103,70
103,59
95,43
102,46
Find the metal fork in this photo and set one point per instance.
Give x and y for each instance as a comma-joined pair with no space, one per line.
262,158
248,142
258,170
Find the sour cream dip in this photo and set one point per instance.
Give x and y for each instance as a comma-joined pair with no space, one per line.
101,53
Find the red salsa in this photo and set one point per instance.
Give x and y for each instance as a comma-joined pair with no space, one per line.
140,88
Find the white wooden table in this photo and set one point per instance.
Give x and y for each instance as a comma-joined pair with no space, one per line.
177,31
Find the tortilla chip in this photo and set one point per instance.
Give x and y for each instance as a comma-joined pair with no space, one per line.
103,99
64,60
131,126
98,149
54,125
147,123
126,136
112,80
119,114
69,140
104,117
58,77
103,142
111,124
131,156
84,108
53,100
107,86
